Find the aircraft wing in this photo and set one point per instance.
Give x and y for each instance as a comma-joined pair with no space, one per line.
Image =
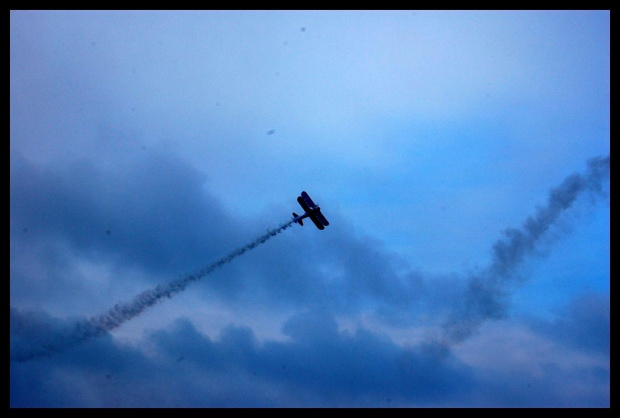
303,204
321,218
307,199
316,222
318,219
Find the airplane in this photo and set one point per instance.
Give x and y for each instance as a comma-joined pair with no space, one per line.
311,210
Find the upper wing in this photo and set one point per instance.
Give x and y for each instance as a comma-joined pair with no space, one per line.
303,204
307,199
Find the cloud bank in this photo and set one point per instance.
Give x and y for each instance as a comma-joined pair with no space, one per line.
321,364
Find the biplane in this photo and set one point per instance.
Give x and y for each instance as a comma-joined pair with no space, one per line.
312,211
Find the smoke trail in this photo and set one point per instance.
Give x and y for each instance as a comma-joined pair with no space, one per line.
486,293
124,311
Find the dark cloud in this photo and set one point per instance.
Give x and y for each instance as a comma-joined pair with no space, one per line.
338,269
161,217
584,325
153,212
365,365
561,362
55,380
320,366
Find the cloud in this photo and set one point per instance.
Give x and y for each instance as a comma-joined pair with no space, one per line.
319,365
163,221
150,206
559,362
583,325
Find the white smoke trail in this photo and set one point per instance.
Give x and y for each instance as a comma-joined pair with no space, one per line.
124,311
486,294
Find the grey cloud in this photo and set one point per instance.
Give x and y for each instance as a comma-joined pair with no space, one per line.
323,366
161,219
320,365
583,325
154,208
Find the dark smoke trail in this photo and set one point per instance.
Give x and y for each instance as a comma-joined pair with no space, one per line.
124,311
486,293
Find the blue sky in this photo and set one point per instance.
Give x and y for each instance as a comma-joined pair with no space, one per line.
146,145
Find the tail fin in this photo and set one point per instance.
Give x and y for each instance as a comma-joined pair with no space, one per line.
299,221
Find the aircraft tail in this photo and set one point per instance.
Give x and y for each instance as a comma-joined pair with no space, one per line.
299,221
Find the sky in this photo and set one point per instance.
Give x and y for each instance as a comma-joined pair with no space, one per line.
461,158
